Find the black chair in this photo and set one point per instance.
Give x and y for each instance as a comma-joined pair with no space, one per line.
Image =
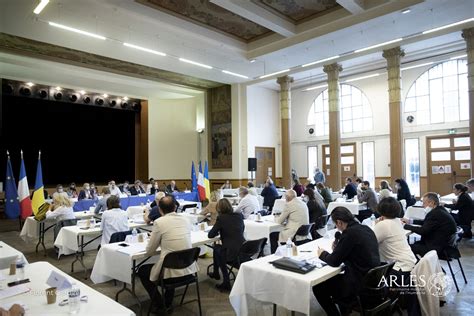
120,236
451,253
180,259
303,231
63,223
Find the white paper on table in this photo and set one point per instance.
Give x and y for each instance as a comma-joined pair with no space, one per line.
7,306
133,248
14,290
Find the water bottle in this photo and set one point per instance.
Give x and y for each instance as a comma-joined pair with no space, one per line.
74,299
372,220
134,235
289,247
20,268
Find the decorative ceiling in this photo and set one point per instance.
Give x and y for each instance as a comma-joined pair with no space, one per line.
299,10
208,14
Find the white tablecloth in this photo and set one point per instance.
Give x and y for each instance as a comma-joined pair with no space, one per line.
448,199
259,280
257,230
354,207
8,255
111,264
38,273
415,213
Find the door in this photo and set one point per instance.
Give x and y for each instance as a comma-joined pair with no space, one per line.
265,164
448,162
348,161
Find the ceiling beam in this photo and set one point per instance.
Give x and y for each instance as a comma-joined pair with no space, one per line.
259,15
353,6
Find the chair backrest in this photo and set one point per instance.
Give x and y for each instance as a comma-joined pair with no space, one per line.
374,276
252,248
180,259
304,230
120,236
63,223
321,221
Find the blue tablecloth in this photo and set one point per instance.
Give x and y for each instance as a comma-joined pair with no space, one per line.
125,202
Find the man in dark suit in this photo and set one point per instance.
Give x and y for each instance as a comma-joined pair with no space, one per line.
358,249
436,229
137,188
170,188
350,190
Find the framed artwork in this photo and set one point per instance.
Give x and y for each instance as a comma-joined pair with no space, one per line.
220,127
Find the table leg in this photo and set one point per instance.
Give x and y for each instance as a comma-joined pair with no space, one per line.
274,309
132,291
80,256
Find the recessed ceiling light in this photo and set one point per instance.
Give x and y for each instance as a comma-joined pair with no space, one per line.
234,74
144,49
274,73
30,84
363,77
316,87
449,25
320,61
408,10
378,45
40,6
195,63
253,60
416,66
457,57
68,28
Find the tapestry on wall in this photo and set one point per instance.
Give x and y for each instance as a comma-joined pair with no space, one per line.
220,122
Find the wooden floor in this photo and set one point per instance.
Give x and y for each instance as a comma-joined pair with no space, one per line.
214,302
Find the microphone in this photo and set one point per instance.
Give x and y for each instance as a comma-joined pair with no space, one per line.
337,236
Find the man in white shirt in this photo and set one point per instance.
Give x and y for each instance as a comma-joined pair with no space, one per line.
171,232
293,216
113,220
114,190
248,203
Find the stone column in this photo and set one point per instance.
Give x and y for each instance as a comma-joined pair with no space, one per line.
285,113
334,177
468,35
393,57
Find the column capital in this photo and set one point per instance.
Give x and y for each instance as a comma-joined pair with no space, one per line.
285,82
396,51
468,35
332,68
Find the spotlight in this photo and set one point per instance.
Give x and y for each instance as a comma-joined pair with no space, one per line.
42,94
125,98
99,101
124,105
30,84
58,95
112,103
25,91
105,95
136,106
72,97
82,92
7,88
58,88
86,99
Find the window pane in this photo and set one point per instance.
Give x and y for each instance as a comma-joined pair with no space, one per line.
347,160
450,67
412,165
462,141
450,83
436,72
327,161
347,149
358,125
327,150
346,126
357,112
346,114
462,155
451,114
312,160
368,160
345,89
462,66
441,156
422,86
440,143
345,101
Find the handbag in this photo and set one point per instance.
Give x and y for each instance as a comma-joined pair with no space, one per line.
293,265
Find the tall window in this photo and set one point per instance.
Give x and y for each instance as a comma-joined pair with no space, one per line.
412,165
356,113
439,95
368,162
312,160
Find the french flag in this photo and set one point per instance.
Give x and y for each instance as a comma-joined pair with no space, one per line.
201,185
24,192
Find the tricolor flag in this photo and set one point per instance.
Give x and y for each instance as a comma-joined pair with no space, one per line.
38,193
201,188
193,179
206,181
12,205
24,192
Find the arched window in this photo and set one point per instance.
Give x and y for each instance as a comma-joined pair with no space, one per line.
439,95
356,113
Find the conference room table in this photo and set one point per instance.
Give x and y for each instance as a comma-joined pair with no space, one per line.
33,297
353,206
134,200
255,229
259,280
415,212
115,262
8,255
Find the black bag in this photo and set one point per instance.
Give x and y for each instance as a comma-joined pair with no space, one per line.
293,265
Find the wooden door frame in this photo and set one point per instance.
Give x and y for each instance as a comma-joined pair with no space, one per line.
342,144
274,160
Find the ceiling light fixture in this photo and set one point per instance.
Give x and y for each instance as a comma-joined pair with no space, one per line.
321,61
416,66
234,74
105,95
58,88
195,63
40,6
378,45
449,25
67,28
125,98
30,84
151,51
82,92
457,57
363,77
253,60
274,73
316,87
408,10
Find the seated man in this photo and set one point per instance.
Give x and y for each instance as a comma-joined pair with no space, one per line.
113,220
137,188
367,195
171,232
436,229
102,204
152,214
358,249
269,193
114,190
248,203
293,216
170,188
350,190
60,191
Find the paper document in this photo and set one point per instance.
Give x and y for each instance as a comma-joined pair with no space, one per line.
14,290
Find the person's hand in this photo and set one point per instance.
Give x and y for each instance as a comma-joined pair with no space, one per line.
404,220
320,251
17,310
334,244
381,218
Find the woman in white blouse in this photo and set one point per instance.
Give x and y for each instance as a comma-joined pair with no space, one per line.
61,208
114,220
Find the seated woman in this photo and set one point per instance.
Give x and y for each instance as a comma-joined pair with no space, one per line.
211,210
298,187
403,192
465,207
316,211
226,185
114,220
230,227
385,189
72,191
61,209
